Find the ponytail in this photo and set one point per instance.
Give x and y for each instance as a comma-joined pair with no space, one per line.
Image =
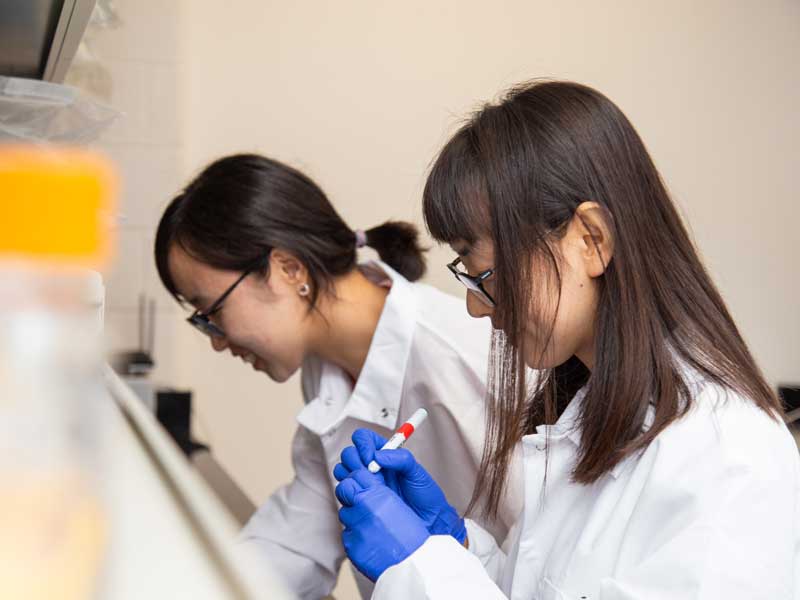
397,244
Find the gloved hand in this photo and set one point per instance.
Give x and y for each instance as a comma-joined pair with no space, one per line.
406,477
380,530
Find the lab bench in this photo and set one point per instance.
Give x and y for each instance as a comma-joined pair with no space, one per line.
169,534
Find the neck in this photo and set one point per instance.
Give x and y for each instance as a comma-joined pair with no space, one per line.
585,352
347,320
586,357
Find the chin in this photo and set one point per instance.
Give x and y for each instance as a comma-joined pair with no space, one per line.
276,373
536,359
538,362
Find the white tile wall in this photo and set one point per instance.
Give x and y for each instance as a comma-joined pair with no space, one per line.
148,33
138,63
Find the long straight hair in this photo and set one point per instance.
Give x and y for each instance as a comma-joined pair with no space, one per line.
514,173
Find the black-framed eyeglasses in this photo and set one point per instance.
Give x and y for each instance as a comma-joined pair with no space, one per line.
474,284
202,320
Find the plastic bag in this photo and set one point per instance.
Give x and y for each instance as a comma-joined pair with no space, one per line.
40,111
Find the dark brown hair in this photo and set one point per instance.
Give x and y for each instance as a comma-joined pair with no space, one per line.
241,207
515,173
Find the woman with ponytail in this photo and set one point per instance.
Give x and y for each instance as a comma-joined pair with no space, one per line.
258,250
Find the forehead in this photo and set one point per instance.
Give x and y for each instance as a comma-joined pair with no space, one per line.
195,281
481,250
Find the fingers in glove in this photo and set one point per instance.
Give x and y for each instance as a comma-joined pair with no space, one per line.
367,442
340,472
400,460
366,479
351,459
346,491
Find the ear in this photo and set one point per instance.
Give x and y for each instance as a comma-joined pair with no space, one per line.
287,266
592,223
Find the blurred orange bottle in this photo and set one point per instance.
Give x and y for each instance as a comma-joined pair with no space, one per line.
56,207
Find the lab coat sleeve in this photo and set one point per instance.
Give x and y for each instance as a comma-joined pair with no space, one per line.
440,569
297,528
718,518
485,549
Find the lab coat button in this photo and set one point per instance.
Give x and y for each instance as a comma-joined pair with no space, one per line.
384,412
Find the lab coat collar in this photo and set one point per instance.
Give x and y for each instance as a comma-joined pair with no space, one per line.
377,394
568,427
378,391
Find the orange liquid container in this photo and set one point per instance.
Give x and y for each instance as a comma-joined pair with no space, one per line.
56,205
56,208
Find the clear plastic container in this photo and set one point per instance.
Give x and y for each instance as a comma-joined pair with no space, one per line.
53,405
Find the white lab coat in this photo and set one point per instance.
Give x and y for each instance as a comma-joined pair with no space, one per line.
426,352
709,511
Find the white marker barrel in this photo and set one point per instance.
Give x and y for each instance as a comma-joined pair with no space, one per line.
401,435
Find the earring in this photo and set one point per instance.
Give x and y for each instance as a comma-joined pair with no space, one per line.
304,290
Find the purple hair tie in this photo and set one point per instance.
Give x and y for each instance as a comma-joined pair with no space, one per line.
361,238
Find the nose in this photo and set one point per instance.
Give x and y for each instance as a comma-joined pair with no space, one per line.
219,343
477,308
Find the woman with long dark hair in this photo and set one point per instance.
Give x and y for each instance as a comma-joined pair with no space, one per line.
259,251
656,460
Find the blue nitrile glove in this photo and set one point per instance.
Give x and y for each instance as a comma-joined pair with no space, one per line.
380,530
405,476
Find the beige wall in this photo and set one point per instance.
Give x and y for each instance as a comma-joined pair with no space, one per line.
361,94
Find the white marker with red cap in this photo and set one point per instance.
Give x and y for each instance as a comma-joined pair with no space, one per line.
401,435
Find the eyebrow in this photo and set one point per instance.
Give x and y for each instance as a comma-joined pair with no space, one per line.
195,300
463,251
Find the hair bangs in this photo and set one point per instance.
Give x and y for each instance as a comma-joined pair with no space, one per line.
454,200
164,237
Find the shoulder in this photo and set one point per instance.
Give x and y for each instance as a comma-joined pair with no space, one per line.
444,327
446,317
726,430
721,482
